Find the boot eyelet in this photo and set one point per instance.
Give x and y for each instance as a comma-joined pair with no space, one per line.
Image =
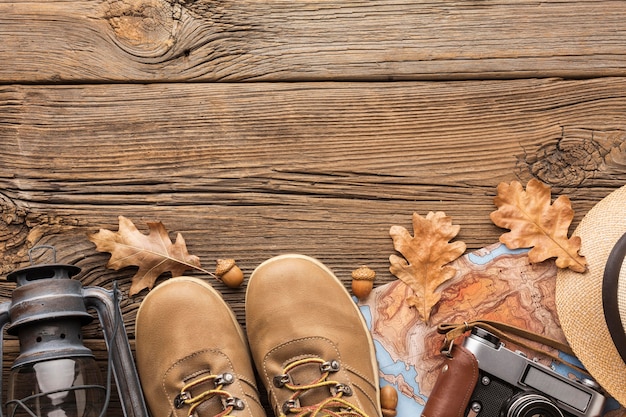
330,366
281,380
179,401
343,389
224,379
235,402
289,405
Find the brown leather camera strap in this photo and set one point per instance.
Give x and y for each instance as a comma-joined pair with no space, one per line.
504,331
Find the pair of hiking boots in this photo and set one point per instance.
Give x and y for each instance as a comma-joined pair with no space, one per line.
305,335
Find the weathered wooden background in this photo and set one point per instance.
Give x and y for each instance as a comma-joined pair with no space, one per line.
256,128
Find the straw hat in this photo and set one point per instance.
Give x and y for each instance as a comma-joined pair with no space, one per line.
595,329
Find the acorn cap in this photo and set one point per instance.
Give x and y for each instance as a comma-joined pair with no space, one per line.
223,266
363,273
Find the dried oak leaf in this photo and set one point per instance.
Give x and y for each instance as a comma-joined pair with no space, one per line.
535,223
426,255
153,253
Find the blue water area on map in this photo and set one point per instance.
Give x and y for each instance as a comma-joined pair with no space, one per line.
490,256
406,406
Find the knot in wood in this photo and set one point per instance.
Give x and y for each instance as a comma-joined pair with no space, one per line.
143,28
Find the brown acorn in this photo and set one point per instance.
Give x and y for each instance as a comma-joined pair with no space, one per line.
388,401
362,282
229,273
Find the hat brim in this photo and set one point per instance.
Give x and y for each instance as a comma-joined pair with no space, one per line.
579,296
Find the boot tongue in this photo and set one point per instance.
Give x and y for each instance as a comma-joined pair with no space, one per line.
310,374
208,408
195,372
309,353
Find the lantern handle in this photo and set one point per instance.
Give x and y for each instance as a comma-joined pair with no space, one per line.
50,247
107,305
4,319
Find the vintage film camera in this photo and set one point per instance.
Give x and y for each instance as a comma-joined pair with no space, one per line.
511,385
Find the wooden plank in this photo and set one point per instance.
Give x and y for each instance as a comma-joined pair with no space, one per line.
250,171
278,40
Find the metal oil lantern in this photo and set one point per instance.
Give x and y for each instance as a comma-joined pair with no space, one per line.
55,375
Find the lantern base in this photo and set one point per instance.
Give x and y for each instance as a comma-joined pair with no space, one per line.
66,387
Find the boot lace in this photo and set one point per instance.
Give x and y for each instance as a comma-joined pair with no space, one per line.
335,405
229,403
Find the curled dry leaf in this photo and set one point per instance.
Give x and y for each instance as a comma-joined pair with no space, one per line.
426,255
537,224
153,253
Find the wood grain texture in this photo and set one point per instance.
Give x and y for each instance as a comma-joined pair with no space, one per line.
279,40
251,171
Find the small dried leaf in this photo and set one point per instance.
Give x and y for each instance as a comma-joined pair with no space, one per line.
153,253
426,255
536,223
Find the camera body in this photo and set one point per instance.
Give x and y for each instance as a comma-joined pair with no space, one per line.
511,385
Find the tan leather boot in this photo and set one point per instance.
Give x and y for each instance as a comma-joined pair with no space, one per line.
192,355
309,341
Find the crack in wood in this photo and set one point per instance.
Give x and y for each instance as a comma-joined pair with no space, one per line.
579,155
13,234
21,229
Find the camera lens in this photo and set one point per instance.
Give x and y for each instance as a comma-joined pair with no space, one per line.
526,404
485,337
